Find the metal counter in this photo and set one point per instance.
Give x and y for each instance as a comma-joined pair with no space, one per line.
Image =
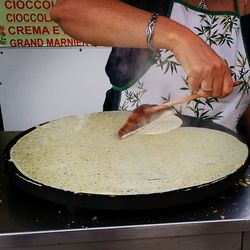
27,222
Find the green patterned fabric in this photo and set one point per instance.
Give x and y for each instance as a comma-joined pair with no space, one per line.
164,79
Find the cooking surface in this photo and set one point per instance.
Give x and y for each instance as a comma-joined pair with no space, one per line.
177,163
21,212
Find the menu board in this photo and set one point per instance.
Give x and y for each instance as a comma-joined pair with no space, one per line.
26,23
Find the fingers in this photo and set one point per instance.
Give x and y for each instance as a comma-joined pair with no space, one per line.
205,91
193,83
217,82
218,79
208,73
228,85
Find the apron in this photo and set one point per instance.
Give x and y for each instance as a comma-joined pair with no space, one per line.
164,79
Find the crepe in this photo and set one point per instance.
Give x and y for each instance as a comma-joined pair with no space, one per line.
83,154
164,123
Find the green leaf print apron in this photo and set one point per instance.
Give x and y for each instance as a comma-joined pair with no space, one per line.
164,79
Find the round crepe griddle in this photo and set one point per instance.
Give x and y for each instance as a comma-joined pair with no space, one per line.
125,202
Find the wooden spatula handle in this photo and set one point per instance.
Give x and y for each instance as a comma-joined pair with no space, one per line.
176,101
188,98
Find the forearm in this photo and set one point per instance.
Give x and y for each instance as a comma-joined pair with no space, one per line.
112,23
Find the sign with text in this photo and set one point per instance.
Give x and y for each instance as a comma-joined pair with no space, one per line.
26,23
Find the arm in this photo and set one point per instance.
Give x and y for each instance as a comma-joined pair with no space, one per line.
113,23
246,7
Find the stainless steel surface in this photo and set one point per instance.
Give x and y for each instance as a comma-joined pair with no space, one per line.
27,222
229,241
246,241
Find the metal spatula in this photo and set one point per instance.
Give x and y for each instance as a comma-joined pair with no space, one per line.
146,113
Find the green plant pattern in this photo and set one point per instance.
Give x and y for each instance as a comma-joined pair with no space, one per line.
215,31
241,73
133,98
164,59
209,29
166,62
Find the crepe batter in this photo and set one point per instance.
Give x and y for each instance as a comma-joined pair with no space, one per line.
83,154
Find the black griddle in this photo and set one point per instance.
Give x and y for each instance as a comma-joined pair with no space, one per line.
126,202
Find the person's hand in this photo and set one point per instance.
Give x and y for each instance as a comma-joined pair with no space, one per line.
208,74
